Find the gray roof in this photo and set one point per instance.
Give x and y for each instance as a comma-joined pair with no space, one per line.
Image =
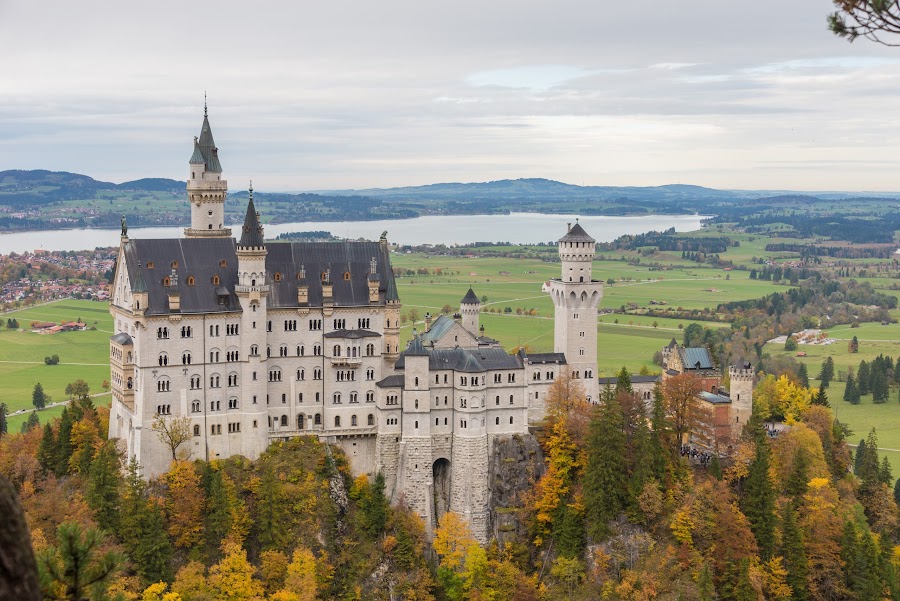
202,258
439,327
559,358
352,334
122,339
576,234
696,358
252,232
638,379
197,157
395,381
715,399
672,344
470,298
207,147
415,348
467,360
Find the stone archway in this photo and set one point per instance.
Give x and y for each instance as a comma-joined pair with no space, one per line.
440,472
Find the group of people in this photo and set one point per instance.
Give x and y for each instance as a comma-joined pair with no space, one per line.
696,455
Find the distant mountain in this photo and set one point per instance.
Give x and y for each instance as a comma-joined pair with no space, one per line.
20,180
153,184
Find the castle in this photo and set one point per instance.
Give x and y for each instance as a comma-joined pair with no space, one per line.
253,342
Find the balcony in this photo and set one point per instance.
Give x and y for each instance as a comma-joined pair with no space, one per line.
222,233
207,184
346,361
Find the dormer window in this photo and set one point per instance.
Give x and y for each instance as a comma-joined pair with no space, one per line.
149,264
277,276
324,276
223,263
174,264
216,281
167,281
190,280
346,276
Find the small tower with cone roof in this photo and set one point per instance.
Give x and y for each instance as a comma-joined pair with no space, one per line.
205,187
469,308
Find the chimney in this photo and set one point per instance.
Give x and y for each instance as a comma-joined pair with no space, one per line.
569,227
427,321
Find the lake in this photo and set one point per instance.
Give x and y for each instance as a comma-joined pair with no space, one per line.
520,228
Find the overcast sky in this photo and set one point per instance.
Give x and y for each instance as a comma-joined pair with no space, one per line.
340,94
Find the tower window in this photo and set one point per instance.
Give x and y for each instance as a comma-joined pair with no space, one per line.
346,275
216,280
190,280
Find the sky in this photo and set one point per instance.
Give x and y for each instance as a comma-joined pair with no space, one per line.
340,94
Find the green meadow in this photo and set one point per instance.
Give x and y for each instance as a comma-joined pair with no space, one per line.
82,355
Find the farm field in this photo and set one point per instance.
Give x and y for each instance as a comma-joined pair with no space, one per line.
82,355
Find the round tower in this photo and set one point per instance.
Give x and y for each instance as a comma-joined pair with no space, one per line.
469,308
575,297
205,187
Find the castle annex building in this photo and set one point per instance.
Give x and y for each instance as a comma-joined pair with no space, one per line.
251,342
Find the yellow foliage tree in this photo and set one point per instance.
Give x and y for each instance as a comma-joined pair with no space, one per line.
191,583
273,570
184,504
159,592
300,583
232,578
781,397
452,540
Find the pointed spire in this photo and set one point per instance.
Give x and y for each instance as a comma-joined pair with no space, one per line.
206,145
470,298
204,103
252,232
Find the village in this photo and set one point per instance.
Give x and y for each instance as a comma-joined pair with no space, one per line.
42,276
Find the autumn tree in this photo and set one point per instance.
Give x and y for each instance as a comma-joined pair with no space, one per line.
683,407
172,432
184,505
232,578
78,390
794,554
300,577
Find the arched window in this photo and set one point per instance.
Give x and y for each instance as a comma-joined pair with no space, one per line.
283,420
174,264
346,276
352,420
216,281
196,430
318,419
277,276
337,421
371,420
190,280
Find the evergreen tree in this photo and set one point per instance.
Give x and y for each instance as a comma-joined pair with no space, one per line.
217,517
38,399
73,568
798,480
794,554
880,387
623,381
897,491
860,456
104,486
47,450
862,378
143,530
867,466
63,441
853,346
820,398
743,589
605,479
826,374
803,375
569,532
705,586
851,392
4,411
31,423
758,502
885,474
659,461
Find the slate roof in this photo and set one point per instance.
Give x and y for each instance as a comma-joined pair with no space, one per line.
672,344
470,298
122,339
696,358
439,327
576,234
559,358
714,399
415,348
207,147
638,379
395,381
201,258
352,334
468,360
251,232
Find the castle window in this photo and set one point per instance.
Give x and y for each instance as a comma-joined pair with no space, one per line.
417,427
149,264
318,419
354,397
497,400
283,420
346,276
277,276
190,280
216,281
510,399
167,281
337,421
324,276
196,430
352,420
496,421
336,398
510,420
370,397
195,406
417,382
174,264
283,398
417,403
223,263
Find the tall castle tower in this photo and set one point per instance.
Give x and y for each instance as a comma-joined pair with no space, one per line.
575,297
206,188
741,393
469,308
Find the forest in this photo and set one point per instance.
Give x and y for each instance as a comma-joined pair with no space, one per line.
621,511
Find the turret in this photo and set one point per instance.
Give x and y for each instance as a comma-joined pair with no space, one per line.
469,308
206,188
741,393
576,253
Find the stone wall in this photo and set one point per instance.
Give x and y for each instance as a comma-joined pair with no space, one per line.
516,463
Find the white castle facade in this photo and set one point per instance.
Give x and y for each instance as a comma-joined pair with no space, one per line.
255,342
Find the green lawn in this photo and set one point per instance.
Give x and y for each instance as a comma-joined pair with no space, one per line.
82,355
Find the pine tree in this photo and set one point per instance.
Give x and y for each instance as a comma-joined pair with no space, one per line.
897,491
623,381
885,474
880,388
860,456
63,442
826,374
803,375
605,480
38,398
31,423
104,486
143,530
659,459
73,568
4,411
820,398
798,479
758,502
46,454
217,517
851,392
862,378
794,553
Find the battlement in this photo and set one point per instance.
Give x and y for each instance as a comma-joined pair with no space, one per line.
741,373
